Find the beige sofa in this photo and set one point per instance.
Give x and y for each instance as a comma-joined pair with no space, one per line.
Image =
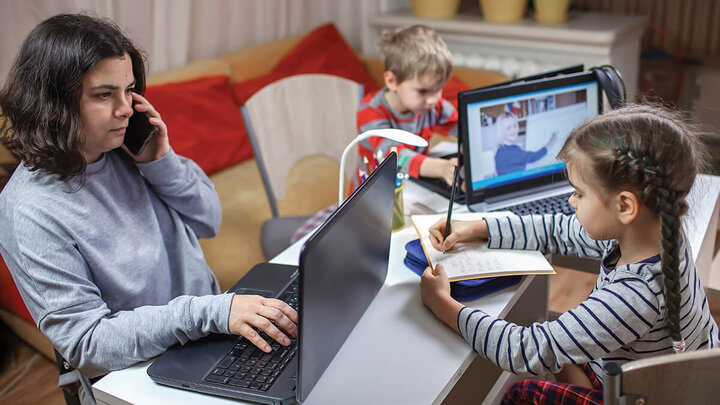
244,204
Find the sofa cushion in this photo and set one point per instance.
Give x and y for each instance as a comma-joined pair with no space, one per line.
203,121
321,51
452,88
10,298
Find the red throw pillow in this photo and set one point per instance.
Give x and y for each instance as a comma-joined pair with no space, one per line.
323,50
452,88
10,298
204,123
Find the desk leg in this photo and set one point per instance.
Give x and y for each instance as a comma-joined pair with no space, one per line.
483,379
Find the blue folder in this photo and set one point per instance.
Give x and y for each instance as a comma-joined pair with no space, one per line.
464,290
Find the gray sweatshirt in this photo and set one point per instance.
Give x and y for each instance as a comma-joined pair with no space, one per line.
112,272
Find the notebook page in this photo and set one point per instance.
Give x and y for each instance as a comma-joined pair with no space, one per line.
474,259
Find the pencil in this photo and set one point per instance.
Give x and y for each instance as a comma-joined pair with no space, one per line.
452,198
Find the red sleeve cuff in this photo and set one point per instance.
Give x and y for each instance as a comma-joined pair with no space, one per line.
414,167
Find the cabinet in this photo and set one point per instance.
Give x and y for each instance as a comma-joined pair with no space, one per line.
526,47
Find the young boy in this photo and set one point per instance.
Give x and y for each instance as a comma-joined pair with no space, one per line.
417,66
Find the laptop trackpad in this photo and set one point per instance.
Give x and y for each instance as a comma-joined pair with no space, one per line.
265,279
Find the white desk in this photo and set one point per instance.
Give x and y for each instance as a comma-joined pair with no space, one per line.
426,358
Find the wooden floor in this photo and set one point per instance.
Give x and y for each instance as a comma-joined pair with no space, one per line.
39,384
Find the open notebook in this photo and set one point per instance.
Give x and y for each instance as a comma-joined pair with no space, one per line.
474,259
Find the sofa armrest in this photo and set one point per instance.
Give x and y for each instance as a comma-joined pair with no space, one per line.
29,333
193,70
474,78
258,60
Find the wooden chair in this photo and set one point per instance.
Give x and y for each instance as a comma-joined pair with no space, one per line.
289,120
684,378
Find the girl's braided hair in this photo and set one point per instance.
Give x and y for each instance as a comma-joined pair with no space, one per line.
653,152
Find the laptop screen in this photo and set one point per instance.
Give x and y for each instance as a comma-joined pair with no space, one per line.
342,267
511,134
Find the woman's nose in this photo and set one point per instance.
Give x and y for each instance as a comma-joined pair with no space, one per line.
124,107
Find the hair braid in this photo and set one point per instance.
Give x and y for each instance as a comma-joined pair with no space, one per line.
670,205
670,240
655,153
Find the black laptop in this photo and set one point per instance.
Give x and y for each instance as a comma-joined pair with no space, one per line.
342,267
542,107
439,185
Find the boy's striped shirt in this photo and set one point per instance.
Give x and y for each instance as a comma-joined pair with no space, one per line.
374,112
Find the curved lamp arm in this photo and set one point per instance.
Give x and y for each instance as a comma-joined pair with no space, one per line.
397,135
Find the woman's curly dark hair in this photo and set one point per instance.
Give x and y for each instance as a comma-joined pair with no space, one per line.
40,101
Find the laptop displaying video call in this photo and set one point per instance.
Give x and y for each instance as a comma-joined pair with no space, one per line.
510,136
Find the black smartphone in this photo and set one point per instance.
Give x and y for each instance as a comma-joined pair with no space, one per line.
138,132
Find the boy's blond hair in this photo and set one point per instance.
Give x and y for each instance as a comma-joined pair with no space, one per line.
414,51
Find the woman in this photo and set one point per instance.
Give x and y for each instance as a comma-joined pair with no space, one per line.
103,245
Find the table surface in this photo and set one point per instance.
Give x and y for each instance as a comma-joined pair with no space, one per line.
398,352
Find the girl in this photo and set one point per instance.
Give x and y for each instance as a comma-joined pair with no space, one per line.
631,169
103,245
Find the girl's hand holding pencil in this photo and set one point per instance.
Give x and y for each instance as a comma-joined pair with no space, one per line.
462,231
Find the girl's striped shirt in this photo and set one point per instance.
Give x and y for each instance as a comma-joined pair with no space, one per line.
623,319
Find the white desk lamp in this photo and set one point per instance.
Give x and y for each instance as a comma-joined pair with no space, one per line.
397,135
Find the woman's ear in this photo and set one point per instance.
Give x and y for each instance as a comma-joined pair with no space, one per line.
628,206
390,80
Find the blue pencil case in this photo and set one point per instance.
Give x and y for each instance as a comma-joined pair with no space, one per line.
464,290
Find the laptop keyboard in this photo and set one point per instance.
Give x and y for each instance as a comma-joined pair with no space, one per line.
246,366
550,205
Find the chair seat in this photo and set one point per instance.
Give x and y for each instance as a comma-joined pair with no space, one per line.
275,234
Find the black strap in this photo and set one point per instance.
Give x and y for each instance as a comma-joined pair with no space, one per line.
70,391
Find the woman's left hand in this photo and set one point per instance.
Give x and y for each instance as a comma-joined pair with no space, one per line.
158,145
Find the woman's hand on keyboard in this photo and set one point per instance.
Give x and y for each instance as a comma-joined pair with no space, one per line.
248,312
461,231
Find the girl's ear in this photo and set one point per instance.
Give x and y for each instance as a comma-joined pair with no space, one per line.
390,80
628,206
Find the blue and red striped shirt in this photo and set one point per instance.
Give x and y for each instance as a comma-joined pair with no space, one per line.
374,112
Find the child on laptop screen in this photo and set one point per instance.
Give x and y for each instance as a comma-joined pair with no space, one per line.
417,66
511,157
632,170
103,244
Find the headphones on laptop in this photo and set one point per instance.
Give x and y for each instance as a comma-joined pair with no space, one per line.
612,84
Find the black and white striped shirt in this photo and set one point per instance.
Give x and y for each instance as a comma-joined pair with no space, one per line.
623,319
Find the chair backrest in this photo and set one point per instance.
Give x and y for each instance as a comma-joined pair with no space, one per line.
297,117
685,378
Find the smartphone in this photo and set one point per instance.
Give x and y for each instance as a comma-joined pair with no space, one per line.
138,132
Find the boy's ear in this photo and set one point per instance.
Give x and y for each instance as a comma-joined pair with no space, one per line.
628,206
390,80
